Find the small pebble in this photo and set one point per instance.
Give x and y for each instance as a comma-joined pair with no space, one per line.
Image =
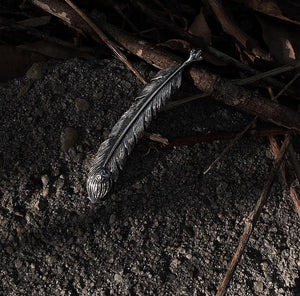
45,180
258,286
264,266
80,232
45,192
51,259
21,230
112,219
18,263
82,105
188,256
68,138
175,263
9,250
35,72
99,127
118,278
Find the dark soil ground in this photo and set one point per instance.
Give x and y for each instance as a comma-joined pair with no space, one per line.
167,229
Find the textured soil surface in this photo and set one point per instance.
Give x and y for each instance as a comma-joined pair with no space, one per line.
167,229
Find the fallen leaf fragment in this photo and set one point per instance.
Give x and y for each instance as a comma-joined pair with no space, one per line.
200,28
279,40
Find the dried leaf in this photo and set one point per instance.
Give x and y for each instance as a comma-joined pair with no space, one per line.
279,40
294,191
271,8
200,28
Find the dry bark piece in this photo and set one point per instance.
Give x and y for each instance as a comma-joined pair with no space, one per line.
157,138
221,89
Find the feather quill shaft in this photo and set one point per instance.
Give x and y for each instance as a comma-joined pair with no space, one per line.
113,152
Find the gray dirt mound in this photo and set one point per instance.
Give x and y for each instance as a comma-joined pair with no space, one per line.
167,229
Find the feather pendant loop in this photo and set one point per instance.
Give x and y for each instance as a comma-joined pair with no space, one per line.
113,152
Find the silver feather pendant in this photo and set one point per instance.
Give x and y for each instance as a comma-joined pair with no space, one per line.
113,152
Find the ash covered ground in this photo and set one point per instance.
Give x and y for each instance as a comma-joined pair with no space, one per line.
167,229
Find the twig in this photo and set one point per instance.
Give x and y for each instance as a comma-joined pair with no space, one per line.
292,154
179,102
34,32
196,41
253,218
295,162
287,85
157,138
273,141
223,136
235,140
291,66
232,29
275,146
221,89
295,197
105,39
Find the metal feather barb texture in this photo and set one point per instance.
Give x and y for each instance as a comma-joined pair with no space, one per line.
113,152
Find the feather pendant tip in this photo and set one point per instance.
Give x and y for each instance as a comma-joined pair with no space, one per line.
113,152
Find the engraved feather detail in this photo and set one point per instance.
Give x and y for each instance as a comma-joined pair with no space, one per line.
113,152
